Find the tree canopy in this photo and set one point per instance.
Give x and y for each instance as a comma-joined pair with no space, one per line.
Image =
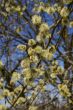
36,53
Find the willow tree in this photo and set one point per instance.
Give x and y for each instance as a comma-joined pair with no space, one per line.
36,50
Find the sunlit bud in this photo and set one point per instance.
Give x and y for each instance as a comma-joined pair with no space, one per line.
36,19
31,42
64,12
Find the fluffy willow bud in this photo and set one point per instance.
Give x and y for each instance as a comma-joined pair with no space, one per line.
1,64
50,10
24,8
70,101
38,49
25,63
55,63
64,90
2,107
52,49
34,58
18,89
31,42
47,55
36,19
33,108
15,77
8,9
44,27
71,24
1,84
67,1
6,92
40,8
60,70
21,47
39,38
18,8
31,51
21,100
27,73
64,12
53,75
